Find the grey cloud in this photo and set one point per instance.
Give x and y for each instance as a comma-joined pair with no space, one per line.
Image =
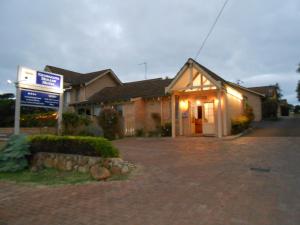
252,38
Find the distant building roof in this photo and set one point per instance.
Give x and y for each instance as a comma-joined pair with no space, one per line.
268,91
75,78
145,89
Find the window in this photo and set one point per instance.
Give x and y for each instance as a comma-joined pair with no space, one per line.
209,112
77,94
97,110
66,98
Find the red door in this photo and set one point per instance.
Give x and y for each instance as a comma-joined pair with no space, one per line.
198,121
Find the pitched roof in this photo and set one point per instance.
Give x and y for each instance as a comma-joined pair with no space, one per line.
145,89
265,90
75,78
214,76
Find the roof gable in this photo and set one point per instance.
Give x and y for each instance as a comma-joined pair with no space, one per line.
211,76
75,78
186,75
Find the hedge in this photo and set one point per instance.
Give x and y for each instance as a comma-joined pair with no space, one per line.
239,124
90,146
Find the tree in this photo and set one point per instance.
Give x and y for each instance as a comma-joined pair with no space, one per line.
298,91
298,86
279,91
7,96
7,109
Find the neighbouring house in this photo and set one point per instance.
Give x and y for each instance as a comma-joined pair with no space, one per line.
271,106
78,87
196,101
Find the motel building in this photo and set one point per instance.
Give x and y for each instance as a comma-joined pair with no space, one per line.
204,104
197,102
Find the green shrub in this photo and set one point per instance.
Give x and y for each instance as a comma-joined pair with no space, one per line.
140,133
166,130
239,124
91,146
91,130
42,119
110,121
13,155
74,123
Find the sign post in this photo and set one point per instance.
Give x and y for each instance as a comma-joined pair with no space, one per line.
38,89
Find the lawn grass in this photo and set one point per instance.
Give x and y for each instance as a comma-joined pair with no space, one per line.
46,177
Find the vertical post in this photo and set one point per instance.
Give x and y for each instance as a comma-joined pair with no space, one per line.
219,114
161,112
18,104
173,111
60,109
180,120
191,75
17,110
225,108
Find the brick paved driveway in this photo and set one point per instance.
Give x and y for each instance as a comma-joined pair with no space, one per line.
183,181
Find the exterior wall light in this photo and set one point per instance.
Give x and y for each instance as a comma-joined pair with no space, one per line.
198,102
184,105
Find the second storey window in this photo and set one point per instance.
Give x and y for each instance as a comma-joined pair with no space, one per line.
66,98
77,94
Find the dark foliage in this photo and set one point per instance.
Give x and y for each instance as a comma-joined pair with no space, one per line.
7,112
111,123
285,110
298,90
90,146
7,96
166,130
297,109
269,109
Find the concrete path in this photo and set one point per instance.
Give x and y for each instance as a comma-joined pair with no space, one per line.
183,181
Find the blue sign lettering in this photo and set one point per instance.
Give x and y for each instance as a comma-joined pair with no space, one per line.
40,99
48,80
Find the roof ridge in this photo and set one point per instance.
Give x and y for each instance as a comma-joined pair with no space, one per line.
139,81
54,67
97,71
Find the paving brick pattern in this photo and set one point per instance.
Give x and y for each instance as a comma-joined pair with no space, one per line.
183,181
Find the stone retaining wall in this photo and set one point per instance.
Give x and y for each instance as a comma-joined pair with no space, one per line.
97,166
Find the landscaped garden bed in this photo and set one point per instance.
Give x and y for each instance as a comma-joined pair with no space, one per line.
78,159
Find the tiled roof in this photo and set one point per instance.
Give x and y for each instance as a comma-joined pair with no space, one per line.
268,91
145,89
75,78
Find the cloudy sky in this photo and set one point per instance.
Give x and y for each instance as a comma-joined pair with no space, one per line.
255,41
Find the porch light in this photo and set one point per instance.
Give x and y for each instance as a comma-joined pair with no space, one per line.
234,93
198,102
183,105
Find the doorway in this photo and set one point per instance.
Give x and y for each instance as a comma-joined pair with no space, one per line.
198,121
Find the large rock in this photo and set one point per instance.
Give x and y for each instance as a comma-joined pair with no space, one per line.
125,169
83,169
116,170
99,173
